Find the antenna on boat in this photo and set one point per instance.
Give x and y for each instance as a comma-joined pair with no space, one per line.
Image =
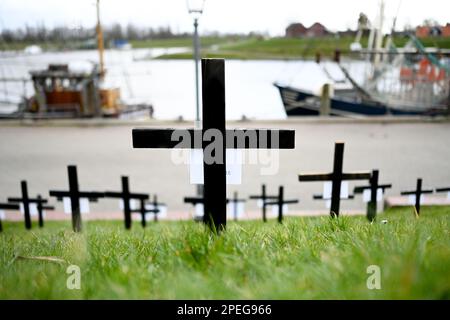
100,41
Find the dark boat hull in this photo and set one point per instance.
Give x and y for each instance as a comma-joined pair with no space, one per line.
302,103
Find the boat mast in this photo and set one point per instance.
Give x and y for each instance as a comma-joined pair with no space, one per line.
100,41
379,35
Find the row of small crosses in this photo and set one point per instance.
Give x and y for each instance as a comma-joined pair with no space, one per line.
74,194
337,176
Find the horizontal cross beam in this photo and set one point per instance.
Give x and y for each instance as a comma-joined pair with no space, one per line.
357,175
443,189
92,196
9,206
235,139
361,189
407,193
320,197
271,203
193,200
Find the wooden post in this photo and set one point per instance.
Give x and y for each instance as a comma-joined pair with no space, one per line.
325,102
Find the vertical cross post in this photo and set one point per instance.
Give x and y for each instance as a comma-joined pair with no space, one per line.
213,95
337,179
26,204
418,194
263,194
74,200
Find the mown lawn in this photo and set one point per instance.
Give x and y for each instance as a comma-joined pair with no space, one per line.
305,258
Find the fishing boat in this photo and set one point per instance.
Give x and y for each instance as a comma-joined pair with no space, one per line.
68,91
412,80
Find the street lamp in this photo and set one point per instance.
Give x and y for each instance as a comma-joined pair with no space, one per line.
195,8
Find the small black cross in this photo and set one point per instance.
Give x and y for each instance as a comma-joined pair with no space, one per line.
75,195
7,206
280,202
418,192
336,177
26,201
194,201
155,207
235,200
263,197
40,209
213,93
373,187
126,196
143,211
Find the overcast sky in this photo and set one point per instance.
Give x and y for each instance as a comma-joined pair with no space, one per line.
270,16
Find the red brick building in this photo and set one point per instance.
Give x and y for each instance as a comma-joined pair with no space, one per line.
427,31
298,30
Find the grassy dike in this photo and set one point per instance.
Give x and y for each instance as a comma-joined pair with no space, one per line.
288,48
318,258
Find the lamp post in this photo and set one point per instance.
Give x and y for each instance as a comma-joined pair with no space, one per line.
195,8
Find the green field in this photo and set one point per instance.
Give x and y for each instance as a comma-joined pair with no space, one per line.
305,258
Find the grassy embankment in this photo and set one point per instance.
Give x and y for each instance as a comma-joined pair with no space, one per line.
303,258
289,48
252,48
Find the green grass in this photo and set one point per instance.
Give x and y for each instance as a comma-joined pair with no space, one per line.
305,258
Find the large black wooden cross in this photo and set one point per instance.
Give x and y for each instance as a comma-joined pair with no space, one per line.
336,177
263,197
418,192
213,94
373,187
26,201
280,202
126,196
7,206
75,195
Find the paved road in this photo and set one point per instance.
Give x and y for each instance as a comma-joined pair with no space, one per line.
40,154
